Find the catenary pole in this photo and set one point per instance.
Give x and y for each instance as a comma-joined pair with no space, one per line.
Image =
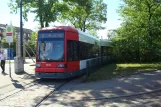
21,30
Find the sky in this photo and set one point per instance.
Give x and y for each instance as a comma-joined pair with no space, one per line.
113,21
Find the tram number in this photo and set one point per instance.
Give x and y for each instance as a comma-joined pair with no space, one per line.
48,65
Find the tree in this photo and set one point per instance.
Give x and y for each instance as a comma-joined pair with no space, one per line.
46,10
82,14
139,35
112,34
32,43
93,33
85,14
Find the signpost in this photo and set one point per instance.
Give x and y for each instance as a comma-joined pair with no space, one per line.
9,39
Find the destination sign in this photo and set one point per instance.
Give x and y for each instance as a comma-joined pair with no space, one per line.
44,35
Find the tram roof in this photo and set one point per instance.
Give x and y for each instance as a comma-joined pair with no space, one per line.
65,28
85,37
105,42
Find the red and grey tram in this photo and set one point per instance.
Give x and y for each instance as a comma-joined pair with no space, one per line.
63,52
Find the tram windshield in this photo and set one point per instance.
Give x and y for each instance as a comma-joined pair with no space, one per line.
51,46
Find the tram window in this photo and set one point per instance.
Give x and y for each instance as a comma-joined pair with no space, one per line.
88,50
83,51
76,50
105,51
95,50
43,46
73,50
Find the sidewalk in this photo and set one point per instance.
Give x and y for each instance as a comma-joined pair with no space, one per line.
28,75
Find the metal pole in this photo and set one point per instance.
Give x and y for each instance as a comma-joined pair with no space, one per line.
9,61
21,30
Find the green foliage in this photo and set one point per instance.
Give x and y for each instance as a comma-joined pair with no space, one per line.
85,14
46,11
93,32
139,36
32,43
82,14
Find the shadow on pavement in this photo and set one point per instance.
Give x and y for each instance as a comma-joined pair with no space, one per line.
4,73
16,84
26,75
77,93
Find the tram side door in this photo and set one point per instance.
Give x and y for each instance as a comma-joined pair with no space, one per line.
73,55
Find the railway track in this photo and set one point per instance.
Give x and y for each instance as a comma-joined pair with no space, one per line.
15,87
141,100
51,92
35,89
31,94
125,95
12,92
62,100
38,93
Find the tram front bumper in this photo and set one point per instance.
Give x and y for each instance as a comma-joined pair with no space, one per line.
51,73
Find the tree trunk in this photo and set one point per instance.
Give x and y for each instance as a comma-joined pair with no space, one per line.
150,32
41,22
84,25
46,24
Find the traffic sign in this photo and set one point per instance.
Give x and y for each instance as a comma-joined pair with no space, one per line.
9,33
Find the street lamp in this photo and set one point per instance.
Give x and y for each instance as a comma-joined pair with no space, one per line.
21,30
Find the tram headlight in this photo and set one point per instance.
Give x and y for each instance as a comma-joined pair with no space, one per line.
38,65
62,66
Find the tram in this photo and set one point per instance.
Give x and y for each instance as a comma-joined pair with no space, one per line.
63,52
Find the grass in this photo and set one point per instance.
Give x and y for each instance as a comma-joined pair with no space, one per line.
115,70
